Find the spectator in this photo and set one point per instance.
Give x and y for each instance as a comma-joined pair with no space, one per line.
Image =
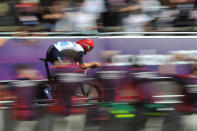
83,18
150,7
136,22
54,13
96,8
27,72
113,16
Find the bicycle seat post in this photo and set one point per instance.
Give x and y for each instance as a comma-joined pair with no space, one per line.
47,68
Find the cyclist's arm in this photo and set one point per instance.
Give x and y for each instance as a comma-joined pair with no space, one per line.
88,65
81,64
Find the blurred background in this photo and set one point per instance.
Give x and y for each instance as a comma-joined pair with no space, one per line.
146,84
96,17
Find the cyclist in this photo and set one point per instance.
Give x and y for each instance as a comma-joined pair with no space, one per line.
64,52
67,79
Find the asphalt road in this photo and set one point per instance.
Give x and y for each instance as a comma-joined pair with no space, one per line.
173,122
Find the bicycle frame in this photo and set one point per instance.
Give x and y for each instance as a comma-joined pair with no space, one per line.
50,78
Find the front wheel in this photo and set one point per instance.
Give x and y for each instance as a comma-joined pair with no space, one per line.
91,90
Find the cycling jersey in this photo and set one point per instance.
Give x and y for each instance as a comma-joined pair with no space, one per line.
65,50
61,46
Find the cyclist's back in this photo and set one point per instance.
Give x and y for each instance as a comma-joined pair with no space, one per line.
67,50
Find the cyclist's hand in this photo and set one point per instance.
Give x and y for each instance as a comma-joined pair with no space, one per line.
97,64
90,65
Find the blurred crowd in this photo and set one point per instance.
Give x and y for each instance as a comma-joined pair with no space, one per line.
126,89
98,15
